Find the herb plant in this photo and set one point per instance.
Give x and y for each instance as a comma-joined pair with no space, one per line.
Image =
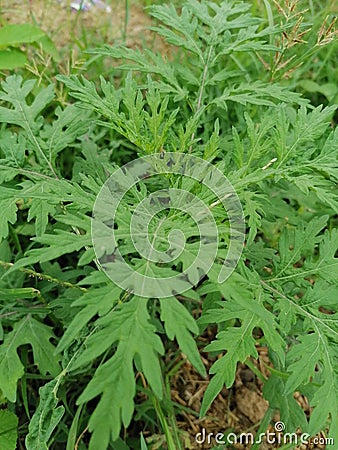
87,347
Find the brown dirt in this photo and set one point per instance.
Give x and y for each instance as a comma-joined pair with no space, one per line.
70,29
238,410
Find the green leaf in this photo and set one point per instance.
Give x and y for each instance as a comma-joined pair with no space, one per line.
8,214
327,89
312,125
26,33
13,146
116,382
258,93
15,293
96,301
143,443
26,116
326,263
8,430
310,346
147,62
40,210
291,413
15,92
26,331
14,34
73,431
147,128
185,24
71,123
180,324
325,399
60,243
119,444
46,417
254,211
308,126
240,344
114,379
296,243
12,59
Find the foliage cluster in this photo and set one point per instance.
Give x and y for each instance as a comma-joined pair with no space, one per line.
83,345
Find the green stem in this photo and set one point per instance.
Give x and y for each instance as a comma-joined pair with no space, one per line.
126,21
15,239
42,276
263,426
165,426
200,94
254,369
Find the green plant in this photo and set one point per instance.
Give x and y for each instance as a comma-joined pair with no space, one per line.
89,346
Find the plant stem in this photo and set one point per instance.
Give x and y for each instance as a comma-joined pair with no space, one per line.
42,276
200,94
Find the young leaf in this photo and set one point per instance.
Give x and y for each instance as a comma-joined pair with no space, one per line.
40,210
15,92
71,123
8,430
70,242
96,301
114,380
46,417
25,115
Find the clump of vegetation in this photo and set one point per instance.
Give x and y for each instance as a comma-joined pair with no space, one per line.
85,363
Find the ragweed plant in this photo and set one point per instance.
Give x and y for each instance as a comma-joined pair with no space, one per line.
80,325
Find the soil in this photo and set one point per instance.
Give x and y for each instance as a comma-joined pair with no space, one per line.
69,28
237,410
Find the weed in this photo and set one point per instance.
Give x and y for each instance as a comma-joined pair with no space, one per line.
137,180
